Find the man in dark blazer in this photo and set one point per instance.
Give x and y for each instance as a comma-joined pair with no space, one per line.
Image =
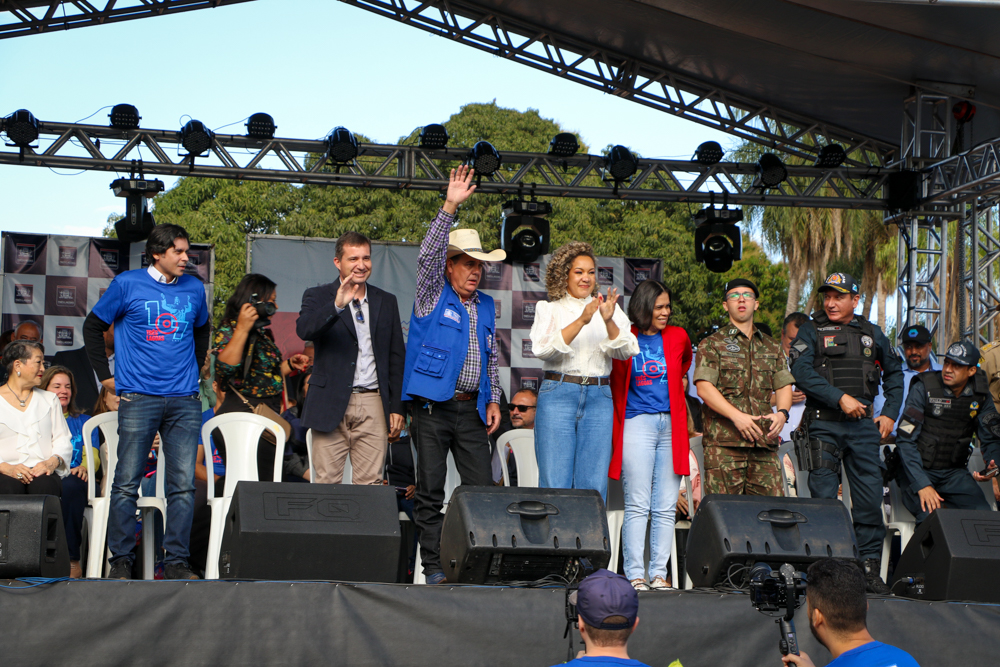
354,403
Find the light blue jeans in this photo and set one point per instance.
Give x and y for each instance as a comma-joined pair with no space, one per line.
573,436
651,489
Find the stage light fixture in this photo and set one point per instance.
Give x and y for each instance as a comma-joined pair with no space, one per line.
484,159
771,170
138,221
124,117
261,126
717,240
196,138
434,136
564,144
708,153
341,146
620,164
525,233
21,128
831,156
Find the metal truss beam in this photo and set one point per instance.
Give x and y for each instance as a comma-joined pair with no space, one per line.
93,147
31,17
647,83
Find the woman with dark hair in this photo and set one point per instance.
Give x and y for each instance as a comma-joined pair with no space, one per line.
60,381
34,437
650,439
248,363
576,334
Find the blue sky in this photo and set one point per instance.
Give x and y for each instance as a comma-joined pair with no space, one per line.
311,64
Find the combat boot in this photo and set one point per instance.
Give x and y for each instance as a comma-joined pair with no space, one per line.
873,577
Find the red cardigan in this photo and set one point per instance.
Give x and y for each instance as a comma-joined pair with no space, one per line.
677,354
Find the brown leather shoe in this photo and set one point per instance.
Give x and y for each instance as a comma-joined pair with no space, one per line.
75,571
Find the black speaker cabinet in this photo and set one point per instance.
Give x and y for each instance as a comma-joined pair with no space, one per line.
503,534
283,531
32,537
742,530
903,190
953,555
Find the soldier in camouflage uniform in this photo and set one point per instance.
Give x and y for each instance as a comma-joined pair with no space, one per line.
738,368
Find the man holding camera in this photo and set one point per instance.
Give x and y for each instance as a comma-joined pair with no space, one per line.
943,410
836,360
353,405
838,611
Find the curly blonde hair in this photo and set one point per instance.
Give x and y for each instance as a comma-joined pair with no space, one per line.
557,273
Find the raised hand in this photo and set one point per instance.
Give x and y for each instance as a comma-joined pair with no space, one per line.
460,188
346,293
248,315
607,306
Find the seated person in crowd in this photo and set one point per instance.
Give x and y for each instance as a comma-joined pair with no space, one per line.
520,413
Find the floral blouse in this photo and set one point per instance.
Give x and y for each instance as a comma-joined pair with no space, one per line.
264,379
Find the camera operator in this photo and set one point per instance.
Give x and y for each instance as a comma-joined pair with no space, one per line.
248,363
838,610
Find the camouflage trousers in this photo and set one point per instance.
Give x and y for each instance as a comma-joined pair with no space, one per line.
750,471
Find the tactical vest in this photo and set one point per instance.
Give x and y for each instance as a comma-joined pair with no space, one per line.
846,355
949,421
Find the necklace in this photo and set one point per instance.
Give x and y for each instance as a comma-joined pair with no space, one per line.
17,396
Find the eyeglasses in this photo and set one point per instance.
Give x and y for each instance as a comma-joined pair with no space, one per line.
358,315
520,408
736,296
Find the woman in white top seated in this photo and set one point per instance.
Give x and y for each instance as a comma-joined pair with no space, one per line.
576,333
35,442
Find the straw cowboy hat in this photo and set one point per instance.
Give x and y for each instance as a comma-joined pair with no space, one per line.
466,241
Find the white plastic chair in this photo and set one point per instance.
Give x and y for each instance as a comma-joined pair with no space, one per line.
801,489
452,481
148,506
95,515
241,432
522,445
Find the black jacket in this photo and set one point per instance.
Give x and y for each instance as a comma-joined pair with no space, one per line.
336,342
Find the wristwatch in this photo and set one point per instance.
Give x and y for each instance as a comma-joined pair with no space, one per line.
787,416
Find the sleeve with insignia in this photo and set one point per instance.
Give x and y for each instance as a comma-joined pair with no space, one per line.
906,426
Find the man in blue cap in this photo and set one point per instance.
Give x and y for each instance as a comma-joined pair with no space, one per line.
934,438
607,610
838,360
916,341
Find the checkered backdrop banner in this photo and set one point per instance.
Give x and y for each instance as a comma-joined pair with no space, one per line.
55,281
298,263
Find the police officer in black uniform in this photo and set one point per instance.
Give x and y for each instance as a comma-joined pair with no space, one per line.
943,409
838,360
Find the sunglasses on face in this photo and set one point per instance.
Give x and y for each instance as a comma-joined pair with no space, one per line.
520,408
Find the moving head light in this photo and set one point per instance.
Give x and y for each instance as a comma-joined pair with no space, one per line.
524,235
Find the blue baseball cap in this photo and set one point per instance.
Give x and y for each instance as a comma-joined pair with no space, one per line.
605,594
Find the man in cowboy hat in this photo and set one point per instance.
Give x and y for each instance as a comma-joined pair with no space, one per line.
451,374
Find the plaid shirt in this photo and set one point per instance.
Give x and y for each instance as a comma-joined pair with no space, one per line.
431,281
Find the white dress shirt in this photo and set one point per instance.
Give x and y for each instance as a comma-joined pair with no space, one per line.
36,434
159,277
591,352
365,374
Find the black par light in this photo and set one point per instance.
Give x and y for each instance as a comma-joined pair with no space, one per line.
21,128
261,126
708,153
525,233
564,144
341,146
434,136
196,138
484,159
831,156
771,170
717,241
124,117
620,164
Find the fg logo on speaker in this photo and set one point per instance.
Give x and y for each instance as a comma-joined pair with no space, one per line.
310,507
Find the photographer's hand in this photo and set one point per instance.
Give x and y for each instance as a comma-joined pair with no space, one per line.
248,315
801,660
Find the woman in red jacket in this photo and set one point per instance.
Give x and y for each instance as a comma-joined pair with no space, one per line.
651,419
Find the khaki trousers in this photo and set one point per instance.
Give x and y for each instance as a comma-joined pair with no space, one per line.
363,434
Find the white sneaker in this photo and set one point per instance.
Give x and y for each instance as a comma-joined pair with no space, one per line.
640,585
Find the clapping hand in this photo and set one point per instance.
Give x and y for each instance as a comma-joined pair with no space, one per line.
607,306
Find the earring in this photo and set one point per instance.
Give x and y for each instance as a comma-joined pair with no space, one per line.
19,374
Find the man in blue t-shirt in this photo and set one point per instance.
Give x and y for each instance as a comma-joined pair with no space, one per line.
162,332
838,611
607,610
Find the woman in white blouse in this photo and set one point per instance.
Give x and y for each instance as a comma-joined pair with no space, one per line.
35,442
576,334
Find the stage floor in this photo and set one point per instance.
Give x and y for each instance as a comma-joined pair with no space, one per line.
215,623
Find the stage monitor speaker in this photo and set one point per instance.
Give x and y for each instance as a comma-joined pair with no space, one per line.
287,531
902,190
729,531
503,534
953,555
32,537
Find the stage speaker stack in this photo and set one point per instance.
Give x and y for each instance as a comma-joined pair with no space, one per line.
32,537
501,534
287,531
730,532
953,555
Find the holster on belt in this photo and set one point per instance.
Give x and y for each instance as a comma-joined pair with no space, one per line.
809,451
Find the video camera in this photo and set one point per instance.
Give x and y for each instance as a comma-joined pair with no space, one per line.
774,591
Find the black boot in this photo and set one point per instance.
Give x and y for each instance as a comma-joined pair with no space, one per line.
873,577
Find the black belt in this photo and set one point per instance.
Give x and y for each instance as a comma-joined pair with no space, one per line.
831,415
364,390
465,396
578,379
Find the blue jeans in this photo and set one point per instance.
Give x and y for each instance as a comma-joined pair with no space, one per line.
651,488
573,436
178,419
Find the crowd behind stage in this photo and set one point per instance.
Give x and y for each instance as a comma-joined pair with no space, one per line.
623,394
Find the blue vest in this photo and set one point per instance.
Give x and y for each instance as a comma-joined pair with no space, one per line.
437,346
